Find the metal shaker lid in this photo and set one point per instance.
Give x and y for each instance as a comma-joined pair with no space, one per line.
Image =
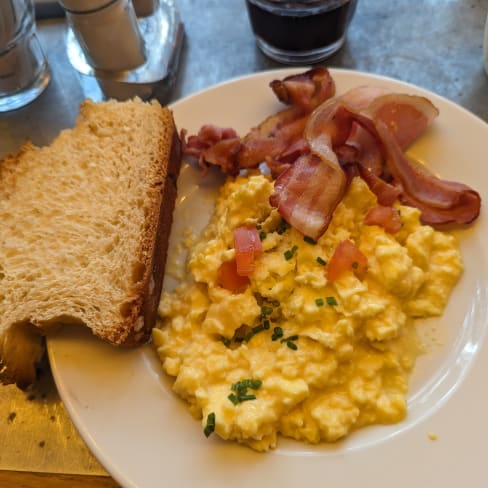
82,6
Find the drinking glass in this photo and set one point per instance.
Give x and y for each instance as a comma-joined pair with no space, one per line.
300,32
24,71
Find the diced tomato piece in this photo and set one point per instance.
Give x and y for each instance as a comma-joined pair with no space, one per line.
245,262
386,217
248,246
228,278
346,257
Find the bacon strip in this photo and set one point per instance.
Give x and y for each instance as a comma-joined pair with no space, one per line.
278,164
406,116
440,201
271,137
398,120
306,90
386,193
362,147
301,197
307,193
274,135
367,130
369,126
213,145
361,97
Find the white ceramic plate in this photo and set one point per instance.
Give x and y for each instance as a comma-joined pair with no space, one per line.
123,406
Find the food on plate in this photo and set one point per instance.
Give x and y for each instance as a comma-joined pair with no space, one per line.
324,327
297,316
365,130
84,225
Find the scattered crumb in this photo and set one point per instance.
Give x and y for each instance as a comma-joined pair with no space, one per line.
42,443
11,417
432,436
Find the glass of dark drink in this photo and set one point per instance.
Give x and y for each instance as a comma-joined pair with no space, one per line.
300,32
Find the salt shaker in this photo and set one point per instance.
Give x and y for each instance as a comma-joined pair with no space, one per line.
130,47
107,32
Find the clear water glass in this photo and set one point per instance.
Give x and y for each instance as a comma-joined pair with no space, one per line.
24,72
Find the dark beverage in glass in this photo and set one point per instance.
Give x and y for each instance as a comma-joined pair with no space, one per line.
302,31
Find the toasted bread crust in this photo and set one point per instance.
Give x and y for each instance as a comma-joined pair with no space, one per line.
155,250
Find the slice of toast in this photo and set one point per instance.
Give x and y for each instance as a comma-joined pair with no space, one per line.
84,227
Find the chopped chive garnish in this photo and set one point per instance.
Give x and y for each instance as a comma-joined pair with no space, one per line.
355,264
225,341
262,235
244,384
321,261
290,338
275,303
246,396
241,387
233,398
331,301
319,302
254,331
283,226
258,226
289,342
210,427
265,310
309,240
289,254
266,324
277,333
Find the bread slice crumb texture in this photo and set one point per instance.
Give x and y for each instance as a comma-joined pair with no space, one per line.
79,221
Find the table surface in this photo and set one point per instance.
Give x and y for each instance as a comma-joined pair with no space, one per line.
435,44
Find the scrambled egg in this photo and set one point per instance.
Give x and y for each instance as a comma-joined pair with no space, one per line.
294,354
